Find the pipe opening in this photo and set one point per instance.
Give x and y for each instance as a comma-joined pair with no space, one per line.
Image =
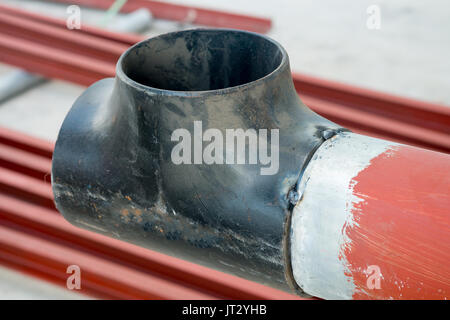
201,60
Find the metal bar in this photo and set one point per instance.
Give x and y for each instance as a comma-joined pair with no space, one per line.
20,81
123,38
24,162
21,185
16,82
56,37
391,128
169,11
414,122
134,22
118,280
51,62
437,117
27,143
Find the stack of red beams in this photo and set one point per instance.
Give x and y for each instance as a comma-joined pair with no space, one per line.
44,45
36,239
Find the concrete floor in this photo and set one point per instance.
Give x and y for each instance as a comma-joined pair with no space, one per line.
408,56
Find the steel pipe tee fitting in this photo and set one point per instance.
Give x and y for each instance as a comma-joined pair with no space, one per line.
199,149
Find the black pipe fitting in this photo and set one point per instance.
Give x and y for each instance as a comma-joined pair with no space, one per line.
113,165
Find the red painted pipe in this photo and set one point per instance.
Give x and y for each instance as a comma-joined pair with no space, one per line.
403,226
373,222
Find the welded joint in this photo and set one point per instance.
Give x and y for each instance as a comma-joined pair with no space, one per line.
295,194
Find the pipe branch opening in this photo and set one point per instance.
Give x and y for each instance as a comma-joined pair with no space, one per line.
202,60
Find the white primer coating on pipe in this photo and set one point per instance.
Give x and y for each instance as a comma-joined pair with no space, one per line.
325,209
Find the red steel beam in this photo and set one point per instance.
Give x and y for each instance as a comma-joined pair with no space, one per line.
53,63
391,128
115,280
32,165
57,37
33,145
401,119
122,38
200,16
21,185
369,100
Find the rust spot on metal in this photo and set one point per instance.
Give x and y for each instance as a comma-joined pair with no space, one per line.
124,212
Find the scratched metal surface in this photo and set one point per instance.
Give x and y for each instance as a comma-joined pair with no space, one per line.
112,168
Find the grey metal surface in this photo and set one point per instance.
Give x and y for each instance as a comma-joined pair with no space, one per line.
16,82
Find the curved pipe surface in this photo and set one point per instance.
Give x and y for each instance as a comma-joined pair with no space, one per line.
114,170
201,149
373,221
